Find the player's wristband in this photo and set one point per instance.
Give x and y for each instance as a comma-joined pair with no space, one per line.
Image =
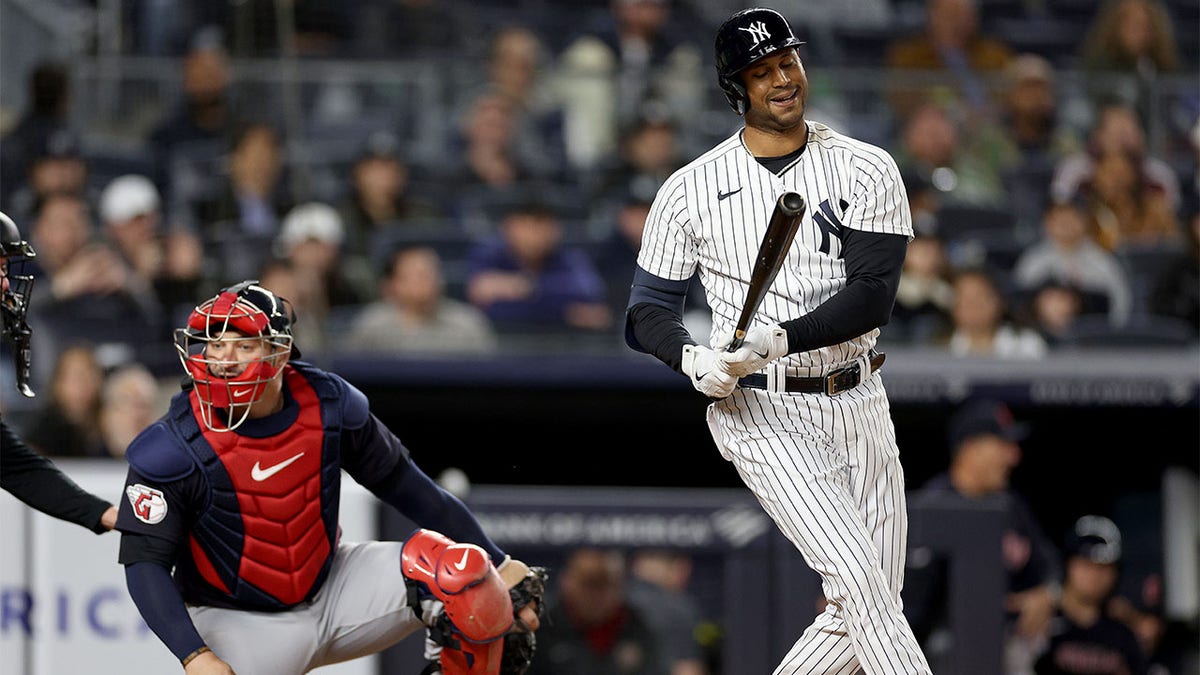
191,657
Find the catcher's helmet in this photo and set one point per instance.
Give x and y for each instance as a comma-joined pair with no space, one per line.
14,300
244,311
744,38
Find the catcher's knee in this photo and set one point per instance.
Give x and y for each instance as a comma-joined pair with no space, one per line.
462,577
470,606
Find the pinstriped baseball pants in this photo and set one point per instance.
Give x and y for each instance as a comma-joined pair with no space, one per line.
827,471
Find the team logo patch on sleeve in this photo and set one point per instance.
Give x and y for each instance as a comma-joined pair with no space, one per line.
148,504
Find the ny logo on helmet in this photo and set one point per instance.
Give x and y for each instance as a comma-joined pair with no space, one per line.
757,31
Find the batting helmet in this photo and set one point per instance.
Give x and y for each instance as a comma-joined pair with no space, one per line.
744,38
242,312
14,300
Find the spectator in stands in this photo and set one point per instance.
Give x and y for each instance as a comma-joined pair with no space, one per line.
168,264
414,314
1083,638
951,43
130,401
1054,307
89,289
658,586
516,70
984,441
379,197
1035,136
67,424
244,215
311,240
57,166
200,124
1128,210
591,626
489,161
982,326
524,276
648,154
278,276
130,213
1067,253
925,296
1128,45
1176,288
606,75
932,145
1116,130
48,104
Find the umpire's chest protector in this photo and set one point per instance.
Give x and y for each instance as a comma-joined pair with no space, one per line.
266,536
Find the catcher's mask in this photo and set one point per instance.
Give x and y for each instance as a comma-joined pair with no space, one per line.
14,301
744,38
233,346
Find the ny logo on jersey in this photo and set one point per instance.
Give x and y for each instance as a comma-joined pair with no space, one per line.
758,32
828,222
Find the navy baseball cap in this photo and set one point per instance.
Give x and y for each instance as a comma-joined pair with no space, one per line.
1095,538
984,417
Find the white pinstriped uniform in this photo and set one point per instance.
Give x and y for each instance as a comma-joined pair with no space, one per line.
826,469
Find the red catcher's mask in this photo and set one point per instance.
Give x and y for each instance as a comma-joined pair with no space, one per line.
222,380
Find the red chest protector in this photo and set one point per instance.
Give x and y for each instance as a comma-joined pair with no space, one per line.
286,542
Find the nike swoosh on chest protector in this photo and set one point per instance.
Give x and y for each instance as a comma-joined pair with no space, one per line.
260,474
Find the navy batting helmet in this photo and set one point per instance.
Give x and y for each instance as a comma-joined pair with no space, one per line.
744,38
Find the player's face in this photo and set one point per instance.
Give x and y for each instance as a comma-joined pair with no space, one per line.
3,274
995,458
230,354
1092,581
777,88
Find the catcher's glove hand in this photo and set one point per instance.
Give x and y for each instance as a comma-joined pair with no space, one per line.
529,590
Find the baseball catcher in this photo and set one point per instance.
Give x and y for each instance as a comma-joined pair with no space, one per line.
230,538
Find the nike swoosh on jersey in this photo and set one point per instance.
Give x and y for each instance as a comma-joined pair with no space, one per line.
462,564
722,196
242,392
260,474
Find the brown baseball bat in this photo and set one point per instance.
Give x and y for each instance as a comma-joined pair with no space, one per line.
781,230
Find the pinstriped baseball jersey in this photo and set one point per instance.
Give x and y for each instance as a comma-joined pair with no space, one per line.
826,469
712,214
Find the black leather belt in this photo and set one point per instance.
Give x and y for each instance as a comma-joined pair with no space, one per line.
832,384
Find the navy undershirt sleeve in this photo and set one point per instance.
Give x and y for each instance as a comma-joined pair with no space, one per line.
411,492
654,318
660,331
161,606
873,263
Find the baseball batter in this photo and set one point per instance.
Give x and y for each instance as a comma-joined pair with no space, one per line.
799,409
230,535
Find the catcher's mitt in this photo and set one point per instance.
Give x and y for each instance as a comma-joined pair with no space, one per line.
521,643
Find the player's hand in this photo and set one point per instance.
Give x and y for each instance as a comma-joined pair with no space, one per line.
763,345
208,663
1035,610
527,588
109,518
704,368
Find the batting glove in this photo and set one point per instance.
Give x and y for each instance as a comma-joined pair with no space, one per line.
763,344
703,366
